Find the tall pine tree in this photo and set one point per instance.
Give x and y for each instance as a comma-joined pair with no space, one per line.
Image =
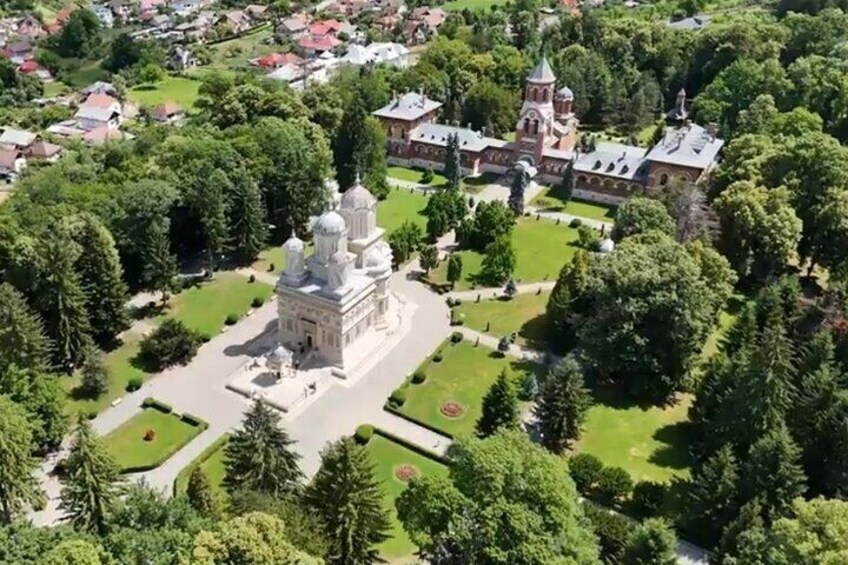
258,457
570,283
211,209
248,221
19,488
200,495
516,192
22,339
562,405
500,407
714,498
90,481
349,142
160,265
453,163
347,497
773,472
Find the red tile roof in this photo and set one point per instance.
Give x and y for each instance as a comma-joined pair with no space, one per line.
276,60
319,43
325,27
43,149
8,158
29,67
165,110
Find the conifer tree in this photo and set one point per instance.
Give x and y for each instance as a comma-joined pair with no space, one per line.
500,407
453,163
90,481
773,471
349,501
653,543
160,265
101,277
211,208
454,269
95,374
19,488
248,221
200,495
570,283
428,258
22,339
714,497
516,192
259,457
562,405
565,189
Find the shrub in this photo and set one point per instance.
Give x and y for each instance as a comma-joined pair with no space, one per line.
457,301
271,268
419,376
150,435
91,414
231,319
363,434
437,358
575,223
585,470
398,397
456,337
427,176
529,387
193,420
648,498
169,344
614,484
257,302
134,384
157,405
449,301
613,530
251,278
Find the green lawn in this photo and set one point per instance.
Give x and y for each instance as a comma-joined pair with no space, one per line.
541,248
128,446
463,376
414,175
524,314
86,74
472,5
401,205
650,443
211,461
204,307
387,455
277,257
238,52
54,88
592,210
119,363
181,90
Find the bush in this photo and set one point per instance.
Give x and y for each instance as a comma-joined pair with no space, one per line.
575,223
427,176
647,498
271,268
157,405
193,420
585,470
529,387
363,434
170,344
437,358
251,278
398,397
613,530
456,337
95,376
134,384
614,484
231,319
257,302
419,376
91,414
449,301
457,302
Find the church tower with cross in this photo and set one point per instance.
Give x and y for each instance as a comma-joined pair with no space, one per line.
535,127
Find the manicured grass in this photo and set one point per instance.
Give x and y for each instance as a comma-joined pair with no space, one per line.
524,314
277,257
238,52
541,249
121,368
181,90
650,443
211,461
401,205
545,200
414,175
54,88
204,307
464,375
130,450
472,5
387,455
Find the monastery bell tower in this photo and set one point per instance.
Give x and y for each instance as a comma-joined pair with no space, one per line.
535,122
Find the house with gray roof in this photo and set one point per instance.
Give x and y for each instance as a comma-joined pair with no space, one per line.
18,139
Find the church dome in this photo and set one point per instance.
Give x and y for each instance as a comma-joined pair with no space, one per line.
338,258
330,223
357,198
293,243
565,93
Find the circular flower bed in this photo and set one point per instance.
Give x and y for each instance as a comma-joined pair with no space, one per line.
149,435
452,409
405,472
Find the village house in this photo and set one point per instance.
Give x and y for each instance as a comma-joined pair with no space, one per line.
546,145
392,54
43,151
122,9
30,27
276,60
422,24
167,113
186,7
236,20
257,11
104,14
99,111
18,139
180,58
31,67
312,46
293,27
12,164
18,51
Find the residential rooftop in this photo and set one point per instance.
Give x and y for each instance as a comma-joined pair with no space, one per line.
410,106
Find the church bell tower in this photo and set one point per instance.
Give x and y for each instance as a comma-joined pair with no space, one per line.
535,122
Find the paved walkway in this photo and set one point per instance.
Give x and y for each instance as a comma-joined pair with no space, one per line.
498,291
514,350
567,218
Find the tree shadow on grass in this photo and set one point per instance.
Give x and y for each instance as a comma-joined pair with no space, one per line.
535,332
674,454
145,88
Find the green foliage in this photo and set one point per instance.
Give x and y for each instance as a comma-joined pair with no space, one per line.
653,543
200,495
444,211
570,284
714,499
427,176
171,343
398,397
134,384
647,498
419,376
95,375
453,163
562,406
454,268
614,484
259,456
502,479
22,339
429,258
641,215
492,220
349,501
231,319
80,36
588,238
516,192
529,388
499,262
363,433
613,531
500,407
75,552
18,486
404,241
160,265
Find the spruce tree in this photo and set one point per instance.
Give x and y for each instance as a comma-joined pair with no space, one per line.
562,405
565,189
349,141
248,221
348,498
90,481
160,265
653,543
773,471
453,163
101,277
570,283
22,339
211,209
516,192
200,495
259,457
714,497
454,269
19,488
61,301
500,407
95,374
428,258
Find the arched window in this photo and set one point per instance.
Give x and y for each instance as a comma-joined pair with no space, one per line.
545,95
526,125
663,179
535,126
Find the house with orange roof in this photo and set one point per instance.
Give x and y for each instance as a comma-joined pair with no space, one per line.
277,60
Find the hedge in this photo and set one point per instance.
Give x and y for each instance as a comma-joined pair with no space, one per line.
398,397
363,434
194,420
185,472
419,376
413,446
157,405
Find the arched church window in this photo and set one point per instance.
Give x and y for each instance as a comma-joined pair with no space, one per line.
545,95
526,125
663,179
535,126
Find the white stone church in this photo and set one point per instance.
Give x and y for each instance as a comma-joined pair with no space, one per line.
336,303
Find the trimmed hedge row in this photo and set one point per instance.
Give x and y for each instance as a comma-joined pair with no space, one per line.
150,402
388,407
193,420
413,446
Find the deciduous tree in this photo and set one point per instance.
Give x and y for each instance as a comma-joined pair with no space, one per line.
653,543
499,262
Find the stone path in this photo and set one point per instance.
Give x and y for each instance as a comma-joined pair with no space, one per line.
492,342
566,219
497,292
